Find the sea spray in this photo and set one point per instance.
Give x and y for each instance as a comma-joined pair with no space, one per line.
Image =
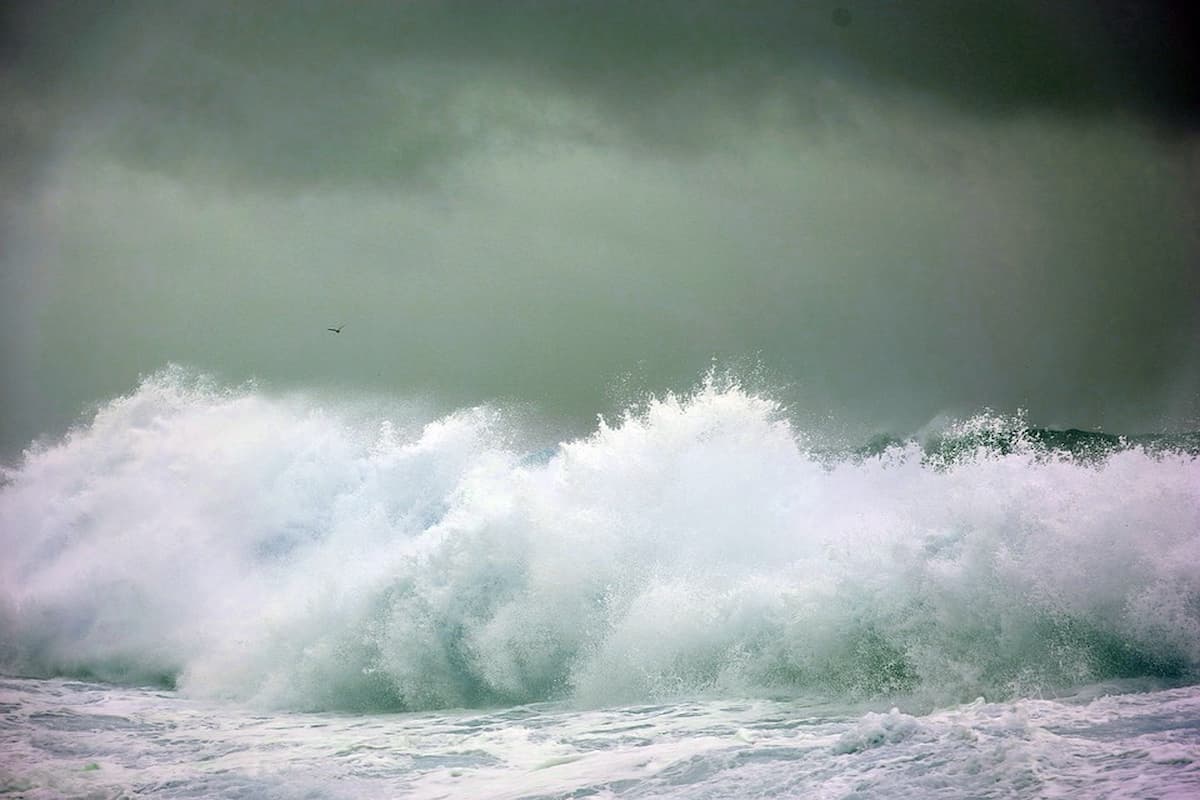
278,550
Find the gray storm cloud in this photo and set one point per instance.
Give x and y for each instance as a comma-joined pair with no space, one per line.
898,209
298,91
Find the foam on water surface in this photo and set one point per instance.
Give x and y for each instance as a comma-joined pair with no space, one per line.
75,739
278,550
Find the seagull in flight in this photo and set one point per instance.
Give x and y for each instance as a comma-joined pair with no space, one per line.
338,329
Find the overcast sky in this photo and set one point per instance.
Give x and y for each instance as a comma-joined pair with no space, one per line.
896,209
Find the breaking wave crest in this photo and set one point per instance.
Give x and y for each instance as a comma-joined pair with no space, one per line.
242,545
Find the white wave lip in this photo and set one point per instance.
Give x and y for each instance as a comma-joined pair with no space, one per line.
269,549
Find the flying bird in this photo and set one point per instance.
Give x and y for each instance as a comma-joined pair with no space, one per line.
338,329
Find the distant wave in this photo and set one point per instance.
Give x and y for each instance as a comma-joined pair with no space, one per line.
237,544
989,433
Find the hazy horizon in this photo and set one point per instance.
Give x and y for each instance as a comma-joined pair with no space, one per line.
889,213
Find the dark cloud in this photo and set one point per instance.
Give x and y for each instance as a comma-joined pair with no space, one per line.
303,91
902,209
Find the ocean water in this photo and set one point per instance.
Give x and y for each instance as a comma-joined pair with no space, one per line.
213,591
66,738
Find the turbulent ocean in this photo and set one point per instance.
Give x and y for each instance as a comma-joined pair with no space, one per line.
213,591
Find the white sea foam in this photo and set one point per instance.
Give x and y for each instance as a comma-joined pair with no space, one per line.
278,550
74,739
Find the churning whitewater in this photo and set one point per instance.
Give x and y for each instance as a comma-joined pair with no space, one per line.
288,553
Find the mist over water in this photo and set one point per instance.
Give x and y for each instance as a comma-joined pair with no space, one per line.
280,550
912,212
